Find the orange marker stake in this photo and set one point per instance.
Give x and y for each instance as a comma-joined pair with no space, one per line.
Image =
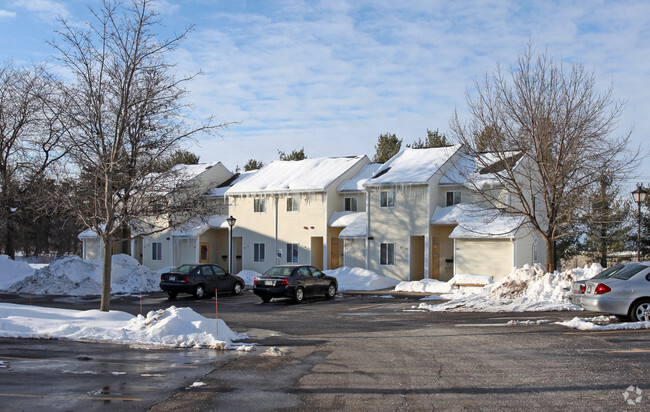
216,309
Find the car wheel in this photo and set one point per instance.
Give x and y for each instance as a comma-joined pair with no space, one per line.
266,299
299,297
331,291
641,311
172,295
199,292
236,289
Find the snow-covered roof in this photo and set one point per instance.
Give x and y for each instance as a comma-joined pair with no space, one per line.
356,183
89,233
343,219
220,191
357,228
474,222
478,171
187,172
412,166
197,227
308,175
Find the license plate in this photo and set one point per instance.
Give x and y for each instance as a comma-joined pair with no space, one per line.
268,283
172,278
588,288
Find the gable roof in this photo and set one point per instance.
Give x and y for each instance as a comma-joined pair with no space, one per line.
356,183
221,190
480,171
412,166
474,222
308,175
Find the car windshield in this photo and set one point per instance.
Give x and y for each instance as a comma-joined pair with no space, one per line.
184,268
279,271
629,271
609,272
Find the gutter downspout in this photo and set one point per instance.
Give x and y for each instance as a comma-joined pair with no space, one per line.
277,199
368,229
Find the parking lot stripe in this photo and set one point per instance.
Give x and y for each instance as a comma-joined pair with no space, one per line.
94,398
101,361
629,351
604,332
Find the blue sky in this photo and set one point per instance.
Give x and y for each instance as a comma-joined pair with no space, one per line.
332,76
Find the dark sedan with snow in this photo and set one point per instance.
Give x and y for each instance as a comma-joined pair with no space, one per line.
295,282
200,280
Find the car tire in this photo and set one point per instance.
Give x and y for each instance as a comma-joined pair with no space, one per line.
237,288
199,291
171,295
266,299
299,296
331,291
640,311
622,318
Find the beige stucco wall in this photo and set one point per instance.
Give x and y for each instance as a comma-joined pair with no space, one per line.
487,257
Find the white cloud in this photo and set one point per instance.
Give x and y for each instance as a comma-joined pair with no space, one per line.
45,10
6,14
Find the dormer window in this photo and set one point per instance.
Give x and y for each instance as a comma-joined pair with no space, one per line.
453,198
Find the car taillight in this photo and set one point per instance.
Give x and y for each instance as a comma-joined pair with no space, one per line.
185,279
161,277
285,281
583,288
255,281
601,289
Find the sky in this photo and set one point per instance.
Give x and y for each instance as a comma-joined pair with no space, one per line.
331,76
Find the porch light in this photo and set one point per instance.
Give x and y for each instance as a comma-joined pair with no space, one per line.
639,196
231,222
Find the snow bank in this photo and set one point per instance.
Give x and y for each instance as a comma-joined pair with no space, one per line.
171,327
76,277
360,279
437,286
12,271
248,276
525,289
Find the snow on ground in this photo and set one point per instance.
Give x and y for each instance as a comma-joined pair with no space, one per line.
171,327
525,289
360,279
602,323
248,276
437,286
76,277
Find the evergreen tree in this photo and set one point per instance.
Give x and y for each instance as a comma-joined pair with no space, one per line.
253,164
178,157
294,155
434,139
388,145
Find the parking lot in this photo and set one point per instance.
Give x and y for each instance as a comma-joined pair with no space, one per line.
352,353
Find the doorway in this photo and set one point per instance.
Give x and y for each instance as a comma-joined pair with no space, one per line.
417,258
204,252
435,259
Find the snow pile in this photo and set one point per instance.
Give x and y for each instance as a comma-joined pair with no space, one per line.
248,276
525,289
171,327
601,323
76,277
437,286
360,279
12,271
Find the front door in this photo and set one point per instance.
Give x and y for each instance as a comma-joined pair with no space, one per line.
204,252
335,253
435,260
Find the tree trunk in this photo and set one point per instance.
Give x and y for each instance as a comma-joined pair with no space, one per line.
10,235
106,274
550,256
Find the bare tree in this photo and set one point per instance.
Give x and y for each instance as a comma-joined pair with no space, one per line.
550,130
126,112
30,137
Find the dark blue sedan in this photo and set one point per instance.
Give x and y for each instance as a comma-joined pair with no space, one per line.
200,280
295,282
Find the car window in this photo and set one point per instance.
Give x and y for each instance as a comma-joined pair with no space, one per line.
207,271
184,268
278,271
315,272
303,272
628,272
609,272
218,270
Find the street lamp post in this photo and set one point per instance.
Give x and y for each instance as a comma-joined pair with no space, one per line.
231,222
639,196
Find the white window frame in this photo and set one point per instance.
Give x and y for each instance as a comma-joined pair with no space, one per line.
456,197
351,204
293,204
387,198
387,254
292,253
259,205
156,251
259,252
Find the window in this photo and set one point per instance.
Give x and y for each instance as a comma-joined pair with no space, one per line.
350,204
258,252
218,270
259,205
387,198
453,198
207,270
387,254
156,251
292,253
292,204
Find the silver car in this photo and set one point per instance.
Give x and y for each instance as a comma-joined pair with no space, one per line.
626,294
578,287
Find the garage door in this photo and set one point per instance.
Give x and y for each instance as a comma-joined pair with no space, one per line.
484,257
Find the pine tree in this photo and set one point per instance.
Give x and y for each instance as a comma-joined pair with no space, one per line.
294,155
434,139
253,164
388,145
